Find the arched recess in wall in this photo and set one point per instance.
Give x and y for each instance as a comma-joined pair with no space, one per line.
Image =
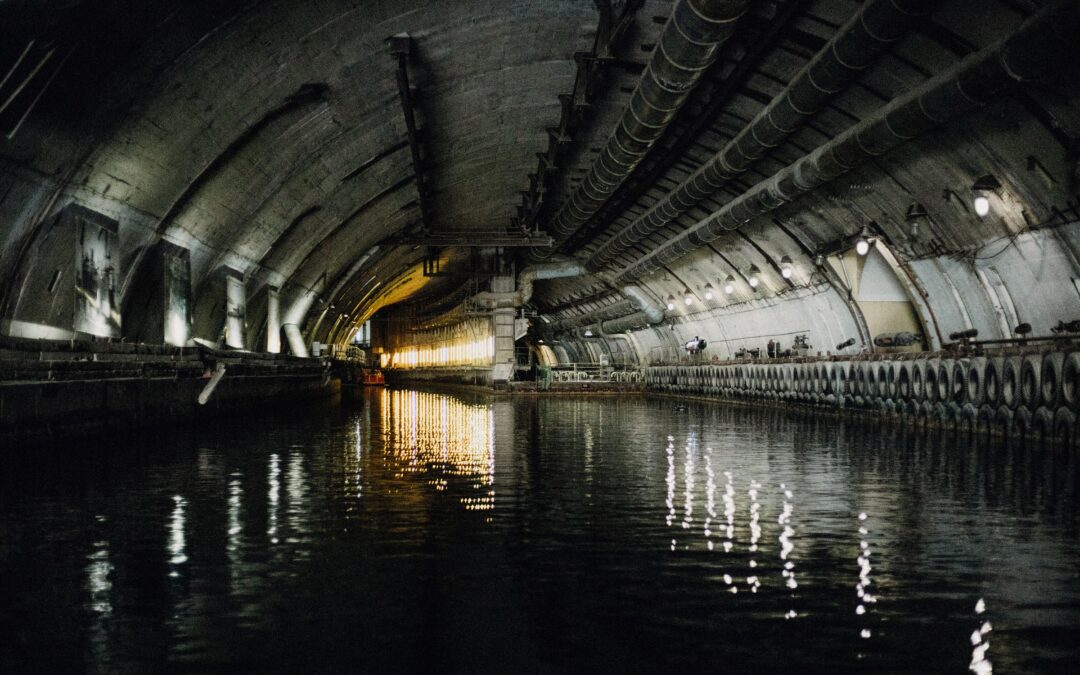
886,298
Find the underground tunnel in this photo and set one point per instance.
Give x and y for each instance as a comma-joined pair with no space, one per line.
539,335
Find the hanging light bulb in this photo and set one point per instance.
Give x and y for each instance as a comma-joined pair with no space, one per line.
786,268
708,291
670,302
753,279
982,189
729,285
687,298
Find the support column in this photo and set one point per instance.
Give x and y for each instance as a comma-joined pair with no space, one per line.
273,321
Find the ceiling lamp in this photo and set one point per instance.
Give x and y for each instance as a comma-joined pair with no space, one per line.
729,285
708,292
588,332
687,298
862,244
753,279
670,302
982,189
786,268
915,215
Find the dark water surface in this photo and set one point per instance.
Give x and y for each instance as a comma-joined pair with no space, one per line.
409,531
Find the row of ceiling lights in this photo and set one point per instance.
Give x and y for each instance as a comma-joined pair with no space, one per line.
753,277
982,188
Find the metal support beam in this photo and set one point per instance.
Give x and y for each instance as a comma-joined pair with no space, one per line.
401,49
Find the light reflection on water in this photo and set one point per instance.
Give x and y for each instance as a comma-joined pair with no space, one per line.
627,533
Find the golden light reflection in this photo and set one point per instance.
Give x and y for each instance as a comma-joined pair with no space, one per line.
443,439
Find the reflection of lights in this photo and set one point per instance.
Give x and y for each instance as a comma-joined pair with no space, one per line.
710,497
235,494
98,572
670,480
272,498
688,483
443,439
786,546
177,539
296,488
755,532
729,511
862,588
980,645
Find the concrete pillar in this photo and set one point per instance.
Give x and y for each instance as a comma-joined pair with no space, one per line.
235,317
503,329
273,321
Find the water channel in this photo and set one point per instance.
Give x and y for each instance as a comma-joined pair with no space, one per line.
417,531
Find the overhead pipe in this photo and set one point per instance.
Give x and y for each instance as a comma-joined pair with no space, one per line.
688,45
1040,44
630,322
856,46
524,292
652,310
637,303
612,311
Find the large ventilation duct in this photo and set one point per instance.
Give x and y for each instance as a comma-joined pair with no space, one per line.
628,323
653,311
856,46
1041,44
510,300
532,273
688,45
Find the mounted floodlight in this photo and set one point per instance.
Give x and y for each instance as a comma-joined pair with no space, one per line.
729,284
982,189
708,292
786,268
752,277
687,298
670,302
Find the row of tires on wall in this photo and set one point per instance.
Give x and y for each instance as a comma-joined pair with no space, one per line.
587,376
1016,394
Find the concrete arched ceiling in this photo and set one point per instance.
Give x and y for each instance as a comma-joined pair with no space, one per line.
269,138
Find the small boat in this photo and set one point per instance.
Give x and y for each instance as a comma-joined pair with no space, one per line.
373,378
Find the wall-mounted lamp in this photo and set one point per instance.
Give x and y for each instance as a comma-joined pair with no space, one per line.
914,217
982,189
819,260
708,292
729,284
588,332
752,276
670,302
862,244
687,298
786,267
